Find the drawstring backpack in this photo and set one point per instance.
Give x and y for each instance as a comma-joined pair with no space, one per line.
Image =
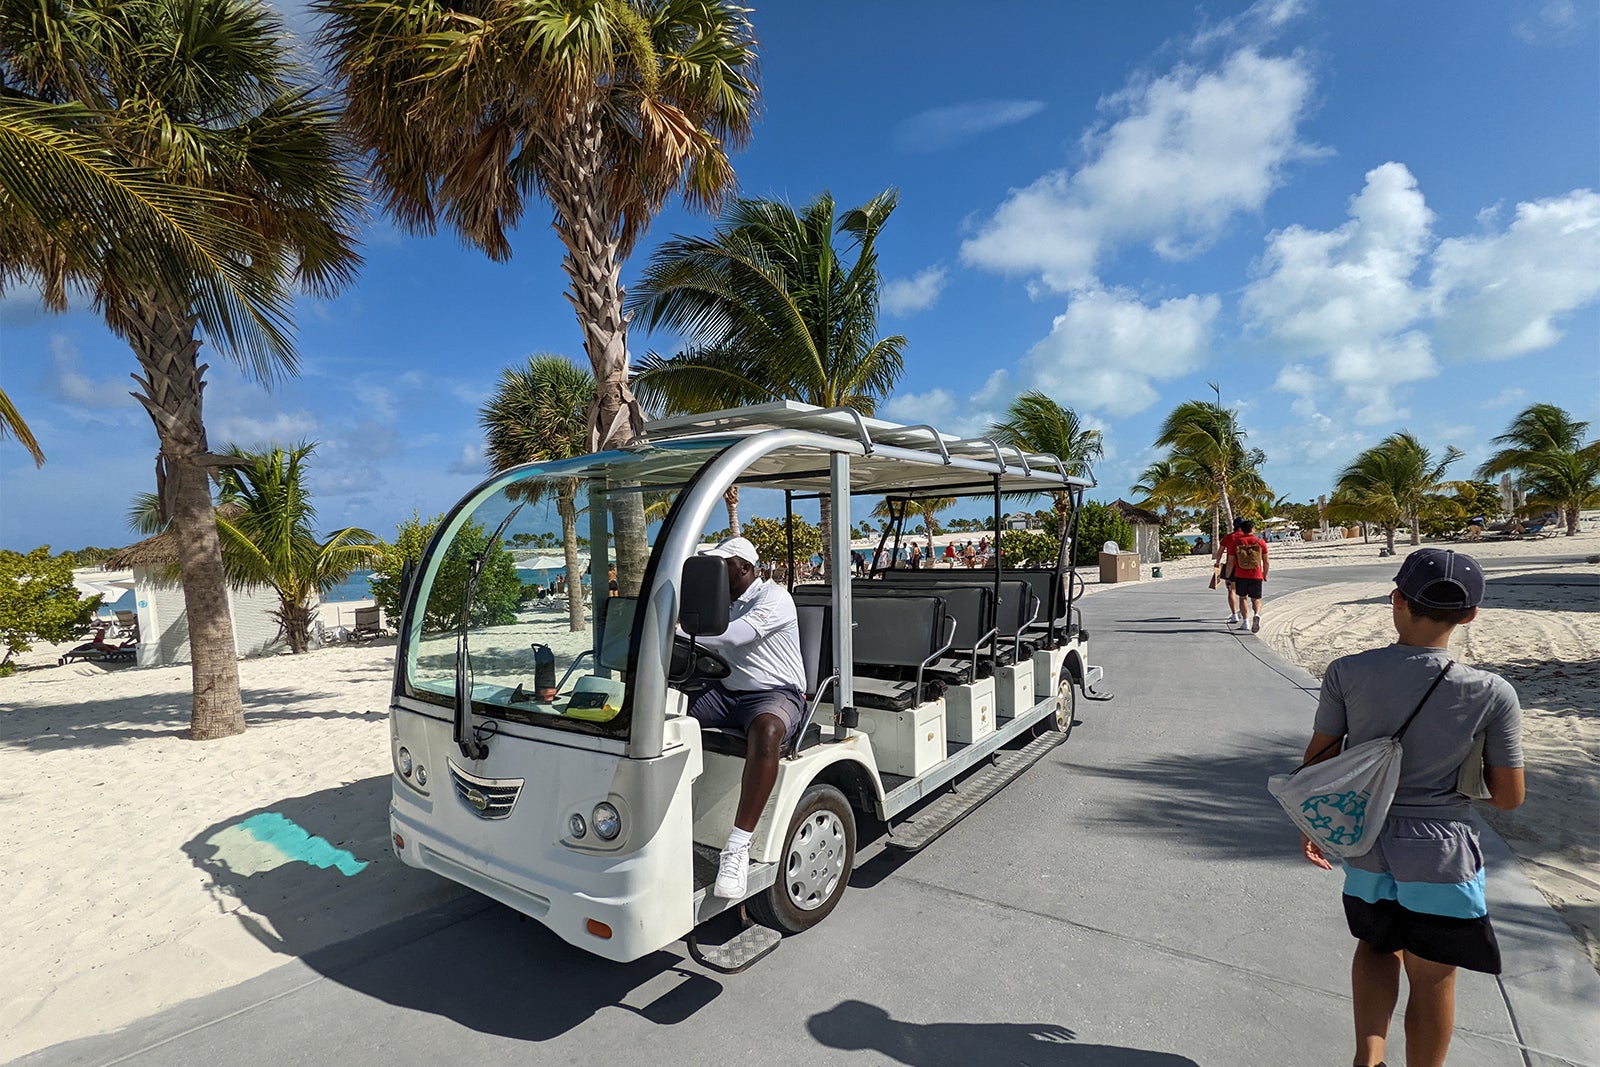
1341,803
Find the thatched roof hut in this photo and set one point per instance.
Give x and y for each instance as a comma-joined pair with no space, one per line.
1135,515
163,622
1146,530
158,554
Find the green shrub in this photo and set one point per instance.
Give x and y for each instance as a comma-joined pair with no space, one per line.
499,588
39,602
1173,546
771,544
1028,548
1097,524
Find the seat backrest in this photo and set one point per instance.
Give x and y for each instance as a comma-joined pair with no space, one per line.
898,631
369,616
816,643
967,600
1052,593
1010,614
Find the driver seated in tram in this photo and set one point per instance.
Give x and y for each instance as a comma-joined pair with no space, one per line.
762,695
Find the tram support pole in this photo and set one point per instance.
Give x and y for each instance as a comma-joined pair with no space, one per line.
844,703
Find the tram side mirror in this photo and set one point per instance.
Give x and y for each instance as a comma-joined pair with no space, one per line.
703,596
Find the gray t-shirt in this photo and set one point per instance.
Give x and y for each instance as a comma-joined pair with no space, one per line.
1369,695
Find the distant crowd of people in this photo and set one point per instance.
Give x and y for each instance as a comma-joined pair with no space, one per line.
956,554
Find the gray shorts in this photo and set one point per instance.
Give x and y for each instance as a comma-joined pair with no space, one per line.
716,705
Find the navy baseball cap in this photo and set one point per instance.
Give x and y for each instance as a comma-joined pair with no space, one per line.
1441,578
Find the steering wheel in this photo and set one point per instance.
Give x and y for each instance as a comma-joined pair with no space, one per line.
690,660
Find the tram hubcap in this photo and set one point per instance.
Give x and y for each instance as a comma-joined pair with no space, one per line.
816,860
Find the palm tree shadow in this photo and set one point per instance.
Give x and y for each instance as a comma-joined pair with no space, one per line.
857,1026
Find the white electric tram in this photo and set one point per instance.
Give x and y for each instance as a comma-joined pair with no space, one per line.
544,756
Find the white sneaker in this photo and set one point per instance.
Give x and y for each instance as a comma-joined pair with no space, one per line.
1233,620
1255,625
733,874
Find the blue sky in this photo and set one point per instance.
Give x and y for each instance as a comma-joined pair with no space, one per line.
1356,218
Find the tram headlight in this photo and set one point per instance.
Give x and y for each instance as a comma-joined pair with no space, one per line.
607,821
422,775
402,760
576,826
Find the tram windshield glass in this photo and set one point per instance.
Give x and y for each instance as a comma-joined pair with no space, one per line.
554,556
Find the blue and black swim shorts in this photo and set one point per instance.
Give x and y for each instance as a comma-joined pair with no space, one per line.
1421,890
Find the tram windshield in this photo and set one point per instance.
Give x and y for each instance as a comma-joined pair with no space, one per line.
554,556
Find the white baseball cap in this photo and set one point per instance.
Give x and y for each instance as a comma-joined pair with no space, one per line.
734,548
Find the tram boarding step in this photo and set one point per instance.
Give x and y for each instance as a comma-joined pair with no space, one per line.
750,945
951,808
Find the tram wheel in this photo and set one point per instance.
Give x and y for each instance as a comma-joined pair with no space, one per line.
1066,706
818,855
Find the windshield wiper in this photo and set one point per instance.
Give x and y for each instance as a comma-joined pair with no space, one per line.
471,747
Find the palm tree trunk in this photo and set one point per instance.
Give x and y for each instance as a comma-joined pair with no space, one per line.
1388,538
576,183
170,391
568,511
1416,530
1572,520
731,500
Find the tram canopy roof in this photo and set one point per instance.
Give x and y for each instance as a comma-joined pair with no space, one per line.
893,459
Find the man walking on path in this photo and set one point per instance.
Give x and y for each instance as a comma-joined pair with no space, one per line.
1416,901
1221,564
1247,563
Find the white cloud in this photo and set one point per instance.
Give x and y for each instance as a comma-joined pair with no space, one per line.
954,410
1188,152
1502,295
945,127
284,428
1347,295
1109,346
907,296
469,462
69,384
1505,397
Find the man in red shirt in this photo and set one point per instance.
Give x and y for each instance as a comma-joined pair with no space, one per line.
1248,560
1223,559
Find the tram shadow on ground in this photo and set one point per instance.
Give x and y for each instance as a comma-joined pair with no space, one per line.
308,876
857,1026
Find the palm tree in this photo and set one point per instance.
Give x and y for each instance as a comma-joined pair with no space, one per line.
1389,484
70,211
205,93
541,412
1036,423
62,200
926,508
1207,446
604,108
266,525
11,425
1164,484
771,310
1545,447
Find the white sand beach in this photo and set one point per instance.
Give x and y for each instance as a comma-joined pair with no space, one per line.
145,869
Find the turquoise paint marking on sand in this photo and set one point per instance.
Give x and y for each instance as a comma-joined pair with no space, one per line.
296,843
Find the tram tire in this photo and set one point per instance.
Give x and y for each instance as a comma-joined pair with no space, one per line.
1066,707
823,827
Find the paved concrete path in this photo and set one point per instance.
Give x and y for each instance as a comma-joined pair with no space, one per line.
1135,899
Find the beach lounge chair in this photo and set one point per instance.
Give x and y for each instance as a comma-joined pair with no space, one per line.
369,624
99,650
128,623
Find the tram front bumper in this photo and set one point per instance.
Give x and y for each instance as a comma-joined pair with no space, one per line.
621,928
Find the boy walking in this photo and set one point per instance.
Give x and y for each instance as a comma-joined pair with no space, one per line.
1248,559
1416,901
